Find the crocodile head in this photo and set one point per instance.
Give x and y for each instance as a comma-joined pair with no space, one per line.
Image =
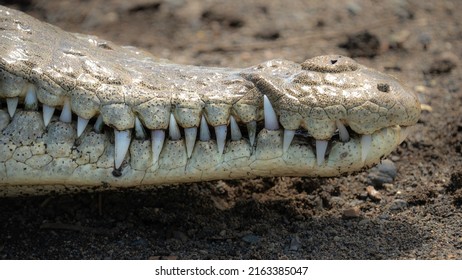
77,111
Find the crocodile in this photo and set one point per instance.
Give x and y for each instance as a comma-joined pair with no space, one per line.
80,113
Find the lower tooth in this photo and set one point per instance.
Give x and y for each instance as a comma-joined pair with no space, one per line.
204,132
220,132
173,129
342,131
140,133
66,113
252,131
321,147
157,138
81,125
99,124
12,104
236,134
30,101
288,137
47,114
122,142
190,137
366,142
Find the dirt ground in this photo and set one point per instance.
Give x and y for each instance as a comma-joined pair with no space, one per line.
416,214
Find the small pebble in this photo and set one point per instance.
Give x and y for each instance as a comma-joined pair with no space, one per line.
373,193
352,212
398,204
337,201
383,173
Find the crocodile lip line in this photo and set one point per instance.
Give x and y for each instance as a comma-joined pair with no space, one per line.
77,111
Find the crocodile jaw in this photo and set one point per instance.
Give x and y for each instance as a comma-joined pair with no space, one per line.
325,117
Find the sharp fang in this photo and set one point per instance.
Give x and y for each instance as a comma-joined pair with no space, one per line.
342,131
271,120
12,104
173,129
66,113
205,131
30,102
81,125
252,131
190,135
220,132
366,142
99,124
236,134
47,114
157,139
122,142
288,137
140,133
321,147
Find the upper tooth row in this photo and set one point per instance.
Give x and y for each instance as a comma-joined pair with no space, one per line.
122,138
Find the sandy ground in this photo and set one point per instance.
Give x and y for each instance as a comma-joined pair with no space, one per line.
415,214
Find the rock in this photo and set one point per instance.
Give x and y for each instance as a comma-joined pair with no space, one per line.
383,173
352,212
373,193
398,204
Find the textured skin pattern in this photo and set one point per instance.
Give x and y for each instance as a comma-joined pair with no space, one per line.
124,83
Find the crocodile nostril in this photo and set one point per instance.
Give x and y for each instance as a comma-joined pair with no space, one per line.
383,87
333,61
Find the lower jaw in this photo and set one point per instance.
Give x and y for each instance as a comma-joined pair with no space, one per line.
87,163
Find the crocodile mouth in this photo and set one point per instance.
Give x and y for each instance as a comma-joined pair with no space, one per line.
76,110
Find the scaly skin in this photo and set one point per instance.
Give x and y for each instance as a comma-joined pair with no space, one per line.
123,84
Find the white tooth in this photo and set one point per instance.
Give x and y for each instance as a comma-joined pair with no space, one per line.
12,104
66,113
288,137
252,131
157,139
30,102
342,131
205,131
236,134
366,142
173,129
122,142
47,114
190,135
321,147
140,133
99,124
81,125
271,120
220,132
